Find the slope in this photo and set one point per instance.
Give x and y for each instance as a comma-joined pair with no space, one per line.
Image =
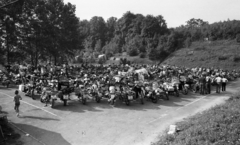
223,54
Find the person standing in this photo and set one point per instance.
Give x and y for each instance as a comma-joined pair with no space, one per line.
17,99
202,81
224,83
218,80
208,84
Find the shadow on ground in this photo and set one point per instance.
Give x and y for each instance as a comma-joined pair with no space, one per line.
39,118
45,136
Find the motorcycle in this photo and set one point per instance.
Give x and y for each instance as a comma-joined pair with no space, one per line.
155,95
6,82
183,87
79,92
30,91
172,89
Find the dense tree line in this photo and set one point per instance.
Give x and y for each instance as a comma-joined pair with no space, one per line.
149,36
40,30
33,30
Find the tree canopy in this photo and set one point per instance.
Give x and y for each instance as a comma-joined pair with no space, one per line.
40,30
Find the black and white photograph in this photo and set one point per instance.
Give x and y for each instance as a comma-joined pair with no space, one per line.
119,72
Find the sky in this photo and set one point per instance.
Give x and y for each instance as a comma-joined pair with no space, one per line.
175,12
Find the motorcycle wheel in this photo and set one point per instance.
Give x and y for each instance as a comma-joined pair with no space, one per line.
112,102
167,97
53,103
127,102
64,102
42,100
154,100
185,91
142,102
32,94
177,94
84,100
97,99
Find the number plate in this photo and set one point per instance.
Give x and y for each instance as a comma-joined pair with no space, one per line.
130,97
65,97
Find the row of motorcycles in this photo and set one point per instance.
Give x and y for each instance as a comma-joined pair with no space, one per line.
52,90
125,93
7,81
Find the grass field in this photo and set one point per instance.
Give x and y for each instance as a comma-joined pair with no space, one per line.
223,54
217,126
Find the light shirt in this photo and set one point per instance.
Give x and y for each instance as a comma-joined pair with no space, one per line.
207,78
224,80
218,79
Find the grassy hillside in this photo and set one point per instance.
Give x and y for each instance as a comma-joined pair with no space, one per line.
216,126
223,54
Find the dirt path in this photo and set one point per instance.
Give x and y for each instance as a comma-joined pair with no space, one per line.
99,123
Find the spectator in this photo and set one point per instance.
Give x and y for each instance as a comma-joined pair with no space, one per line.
208,84
202,82
224,83
218,80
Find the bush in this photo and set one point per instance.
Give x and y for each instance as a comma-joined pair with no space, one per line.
238,38
188,42
109,54
142,55
222,57
236,58
200,48
133,52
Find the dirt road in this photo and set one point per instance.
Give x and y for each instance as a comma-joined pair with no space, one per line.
101,124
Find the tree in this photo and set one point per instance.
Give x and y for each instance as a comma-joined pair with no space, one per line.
238,38
97,30
111,27
98,46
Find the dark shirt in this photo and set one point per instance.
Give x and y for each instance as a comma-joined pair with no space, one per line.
202,80
17,99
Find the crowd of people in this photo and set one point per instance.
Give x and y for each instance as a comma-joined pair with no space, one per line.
117,77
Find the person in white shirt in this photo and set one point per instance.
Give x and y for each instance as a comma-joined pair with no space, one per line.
218,80
224,83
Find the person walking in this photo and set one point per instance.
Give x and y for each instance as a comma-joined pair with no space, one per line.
17,99
224,83
218,80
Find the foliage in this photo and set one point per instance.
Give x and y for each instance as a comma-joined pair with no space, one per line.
49,30
142,55
222,57
236,58
219,125
238,37
208,52
42,29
